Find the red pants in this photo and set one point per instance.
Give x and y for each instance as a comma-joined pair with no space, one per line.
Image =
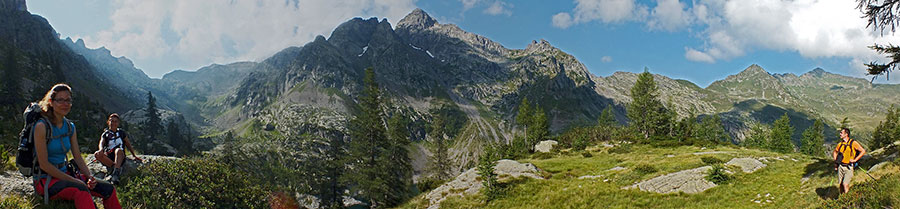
67,190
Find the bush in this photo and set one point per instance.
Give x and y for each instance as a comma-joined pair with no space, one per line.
15,202
621,149
191,183
711,160
645,169
717,175
883,193
586,154
427,184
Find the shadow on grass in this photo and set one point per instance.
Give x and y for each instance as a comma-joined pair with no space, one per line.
819,168
828,192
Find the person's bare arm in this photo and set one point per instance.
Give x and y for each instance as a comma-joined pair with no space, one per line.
102,142
128,145
861,151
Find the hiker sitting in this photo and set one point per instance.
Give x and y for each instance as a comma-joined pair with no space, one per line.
54,137
111,153
846,155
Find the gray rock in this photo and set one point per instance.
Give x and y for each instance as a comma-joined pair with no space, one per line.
129,166
468,183
748,165
687,181
545,146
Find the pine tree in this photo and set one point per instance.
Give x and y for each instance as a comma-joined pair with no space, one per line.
153,125
400,166
175,139
368,146
486,164
781,135
607,118
331,196
757,136
648,115
887,130
711,129
540,129
524,118
813,139
687,127
440,160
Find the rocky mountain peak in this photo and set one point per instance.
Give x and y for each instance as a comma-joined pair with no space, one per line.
537,46
753,71
818,72
417,19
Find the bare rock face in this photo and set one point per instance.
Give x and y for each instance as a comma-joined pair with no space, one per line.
687,181
748,165
545,146
468,183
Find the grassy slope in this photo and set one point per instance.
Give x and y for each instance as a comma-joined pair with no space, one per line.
780,179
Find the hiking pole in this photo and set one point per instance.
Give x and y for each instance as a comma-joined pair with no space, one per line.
867,173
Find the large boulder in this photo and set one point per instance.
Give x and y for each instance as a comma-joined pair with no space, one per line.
687,181
748,165
545,146
130,164
468,182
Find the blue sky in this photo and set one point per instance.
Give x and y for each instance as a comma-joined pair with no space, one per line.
698,40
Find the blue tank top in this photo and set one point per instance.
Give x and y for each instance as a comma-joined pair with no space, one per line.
59,144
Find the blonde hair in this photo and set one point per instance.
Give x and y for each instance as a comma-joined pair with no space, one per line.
46,109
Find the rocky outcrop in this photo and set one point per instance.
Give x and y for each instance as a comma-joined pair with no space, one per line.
687,181
468,182
748,165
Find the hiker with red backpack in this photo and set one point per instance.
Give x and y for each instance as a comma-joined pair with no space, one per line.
111,153
846,156
54,137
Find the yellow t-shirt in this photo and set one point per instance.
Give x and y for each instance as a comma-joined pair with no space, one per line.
848,150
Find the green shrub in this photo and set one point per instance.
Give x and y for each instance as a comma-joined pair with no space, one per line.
708,160
644,169
621,149
586,154
15,202
191,183
883,193
427,184
717,175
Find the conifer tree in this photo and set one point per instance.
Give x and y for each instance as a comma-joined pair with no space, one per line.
887,130
368,146
486,164
607,118
440,160
331,195
540,128
781,135
757,138
813,139
711,129
648,115
153,125
400,166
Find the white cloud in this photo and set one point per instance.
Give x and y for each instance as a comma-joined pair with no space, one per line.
606,59
468,4
812,28
697,56
197,33
499,8
669,15
606,11
562,20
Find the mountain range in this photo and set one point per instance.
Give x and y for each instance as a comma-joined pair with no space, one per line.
420,64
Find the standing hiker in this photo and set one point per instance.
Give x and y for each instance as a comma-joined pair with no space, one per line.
846,155
54,137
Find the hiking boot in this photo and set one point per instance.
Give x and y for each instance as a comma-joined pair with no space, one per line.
114,179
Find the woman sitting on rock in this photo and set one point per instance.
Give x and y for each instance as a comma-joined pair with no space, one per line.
54,137
111,153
